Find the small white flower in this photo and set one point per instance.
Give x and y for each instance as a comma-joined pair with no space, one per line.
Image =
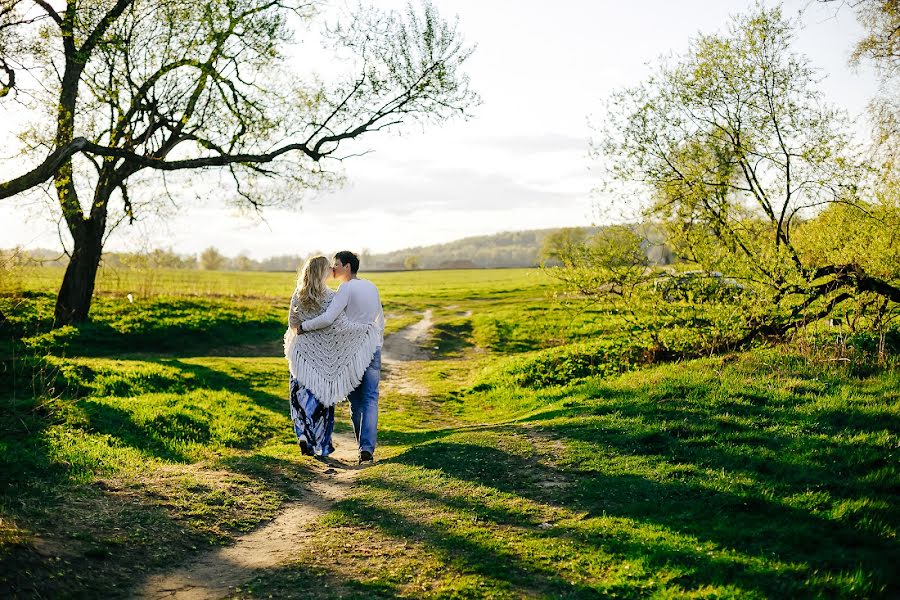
130,298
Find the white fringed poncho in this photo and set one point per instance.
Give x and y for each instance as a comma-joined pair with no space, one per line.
330,362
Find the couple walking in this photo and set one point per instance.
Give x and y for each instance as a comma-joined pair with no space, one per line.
333,347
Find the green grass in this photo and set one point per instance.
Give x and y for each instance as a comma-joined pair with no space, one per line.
547,460
415,286
756,477
199,312
140,464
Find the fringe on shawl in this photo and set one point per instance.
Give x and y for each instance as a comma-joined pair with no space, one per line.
330,392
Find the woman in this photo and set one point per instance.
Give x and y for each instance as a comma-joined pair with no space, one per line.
326,364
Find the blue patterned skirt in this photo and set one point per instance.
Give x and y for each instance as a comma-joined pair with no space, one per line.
313,422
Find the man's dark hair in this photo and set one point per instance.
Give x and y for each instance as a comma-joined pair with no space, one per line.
348,258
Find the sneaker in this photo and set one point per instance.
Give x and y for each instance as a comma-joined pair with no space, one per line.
365,457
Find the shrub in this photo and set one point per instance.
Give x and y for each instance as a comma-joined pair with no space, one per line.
564,364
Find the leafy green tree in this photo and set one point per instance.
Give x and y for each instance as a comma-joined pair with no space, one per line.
132,87
867,236
612,262
211,260
880,47
560,244
242,262
411,262
881,42
735,149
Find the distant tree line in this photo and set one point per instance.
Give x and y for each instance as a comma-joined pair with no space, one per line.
508,249
210,259
502,250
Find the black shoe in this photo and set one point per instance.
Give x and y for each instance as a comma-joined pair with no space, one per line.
304,448
365,457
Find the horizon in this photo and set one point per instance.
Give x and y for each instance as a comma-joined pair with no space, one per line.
358,251
438,184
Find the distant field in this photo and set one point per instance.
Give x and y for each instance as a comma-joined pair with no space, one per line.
174,282
511,309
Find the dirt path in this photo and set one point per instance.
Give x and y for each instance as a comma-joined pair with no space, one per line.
215,575
218,573
410,343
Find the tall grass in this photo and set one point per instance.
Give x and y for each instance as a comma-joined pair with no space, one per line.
11,271
148,283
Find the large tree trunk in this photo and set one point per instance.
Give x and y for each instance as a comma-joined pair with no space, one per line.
74,300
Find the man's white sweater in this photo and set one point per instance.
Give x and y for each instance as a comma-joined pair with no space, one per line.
359,300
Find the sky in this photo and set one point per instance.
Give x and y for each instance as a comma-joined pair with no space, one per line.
542,71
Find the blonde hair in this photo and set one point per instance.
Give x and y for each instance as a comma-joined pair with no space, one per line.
311,288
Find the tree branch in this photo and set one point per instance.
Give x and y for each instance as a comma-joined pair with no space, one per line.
58,157
51,12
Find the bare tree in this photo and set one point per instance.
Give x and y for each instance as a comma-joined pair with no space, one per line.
130,87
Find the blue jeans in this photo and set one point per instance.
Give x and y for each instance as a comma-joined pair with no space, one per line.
364,405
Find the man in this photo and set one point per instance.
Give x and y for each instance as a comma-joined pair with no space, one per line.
358,299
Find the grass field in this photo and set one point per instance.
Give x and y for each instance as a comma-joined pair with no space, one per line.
546,460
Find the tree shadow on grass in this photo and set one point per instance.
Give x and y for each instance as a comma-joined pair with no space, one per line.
94,542
98,541
467,554
155,437
281,475
161,435
173,326
777,444
226,338
217,380
310,581
22,425
751,524
698,568
838,422
397,437
781,449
